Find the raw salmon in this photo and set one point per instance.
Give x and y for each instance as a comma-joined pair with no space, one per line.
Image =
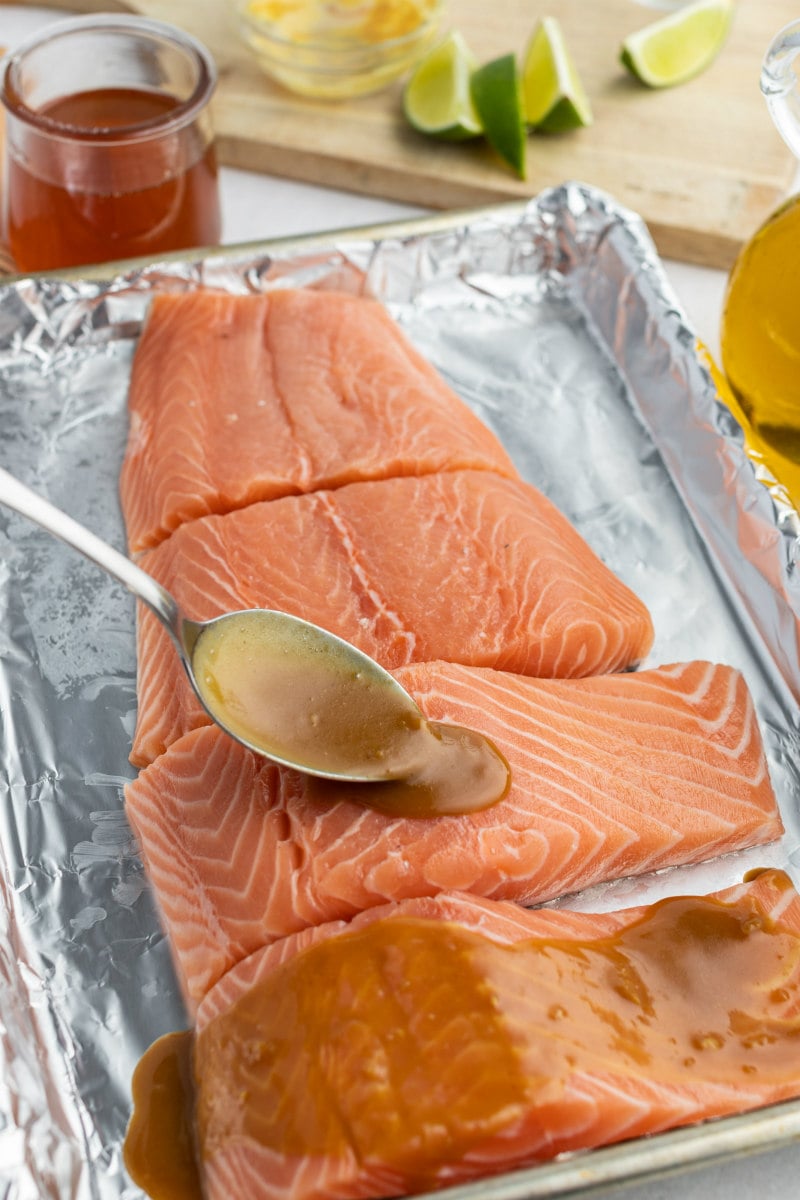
377,1071
611,776
235,399
463,565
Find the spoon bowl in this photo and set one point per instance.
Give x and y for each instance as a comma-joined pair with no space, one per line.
304,697
281,686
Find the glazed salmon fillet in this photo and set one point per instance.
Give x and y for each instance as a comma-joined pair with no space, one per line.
464,565
236,399
461,1037
611,776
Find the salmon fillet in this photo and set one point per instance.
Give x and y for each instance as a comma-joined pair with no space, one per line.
604,1094
466,566
236,399
611,776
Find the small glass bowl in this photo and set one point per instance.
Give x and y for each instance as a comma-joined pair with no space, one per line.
334,49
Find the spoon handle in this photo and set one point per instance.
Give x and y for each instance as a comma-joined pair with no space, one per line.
15,495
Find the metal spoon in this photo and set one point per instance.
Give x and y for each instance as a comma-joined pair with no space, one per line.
350,686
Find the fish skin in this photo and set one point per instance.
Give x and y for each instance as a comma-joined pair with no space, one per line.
611,776
238,399
594,1110
465,565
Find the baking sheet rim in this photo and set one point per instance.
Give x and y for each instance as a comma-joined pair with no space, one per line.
583,1173
404,228
642,1159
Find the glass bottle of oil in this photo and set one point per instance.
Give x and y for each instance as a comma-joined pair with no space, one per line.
760,332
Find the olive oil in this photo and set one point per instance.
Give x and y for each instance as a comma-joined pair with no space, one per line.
760,333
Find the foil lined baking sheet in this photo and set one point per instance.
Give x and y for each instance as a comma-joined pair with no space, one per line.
555,322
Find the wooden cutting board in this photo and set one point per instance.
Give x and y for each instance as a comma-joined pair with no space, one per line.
701,163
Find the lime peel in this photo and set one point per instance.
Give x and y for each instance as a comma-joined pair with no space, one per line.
554,96
679,46
497,96
437,100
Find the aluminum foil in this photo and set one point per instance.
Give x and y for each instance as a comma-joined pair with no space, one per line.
555,322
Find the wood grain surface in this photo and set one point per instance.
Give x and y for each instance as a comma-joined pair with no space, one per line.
701,163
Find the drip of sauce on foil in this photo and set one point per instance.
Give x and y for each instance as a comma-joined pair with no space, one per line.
696,989
304,696
159,1147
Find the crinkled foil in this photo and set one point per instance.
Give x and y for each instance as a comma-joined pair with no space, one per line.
556,324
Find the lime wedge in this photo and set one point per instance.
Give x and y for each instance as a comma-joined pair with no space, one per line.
497,96
553,94
437,99
680,45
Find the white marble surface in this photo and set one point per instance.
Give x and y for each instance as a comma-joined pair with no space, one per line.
256,207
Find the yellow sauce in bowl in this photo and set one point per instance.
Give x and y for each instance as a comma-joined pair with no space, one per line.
336,49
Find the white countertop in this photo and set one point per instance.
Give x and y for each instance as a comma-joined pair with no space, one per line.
258,207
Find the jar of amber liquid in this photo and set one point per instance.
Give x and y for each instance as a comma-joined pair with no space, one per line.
760,331
109,147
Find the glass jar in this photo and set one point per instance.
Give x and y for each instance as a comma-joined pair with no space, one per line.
109,146
760,333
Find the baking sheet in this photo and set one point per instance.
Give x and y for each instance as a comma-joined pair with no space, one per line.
555,323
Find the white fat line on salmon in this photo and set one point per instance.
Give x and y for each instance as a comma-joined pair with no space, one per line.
407,636
302,461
